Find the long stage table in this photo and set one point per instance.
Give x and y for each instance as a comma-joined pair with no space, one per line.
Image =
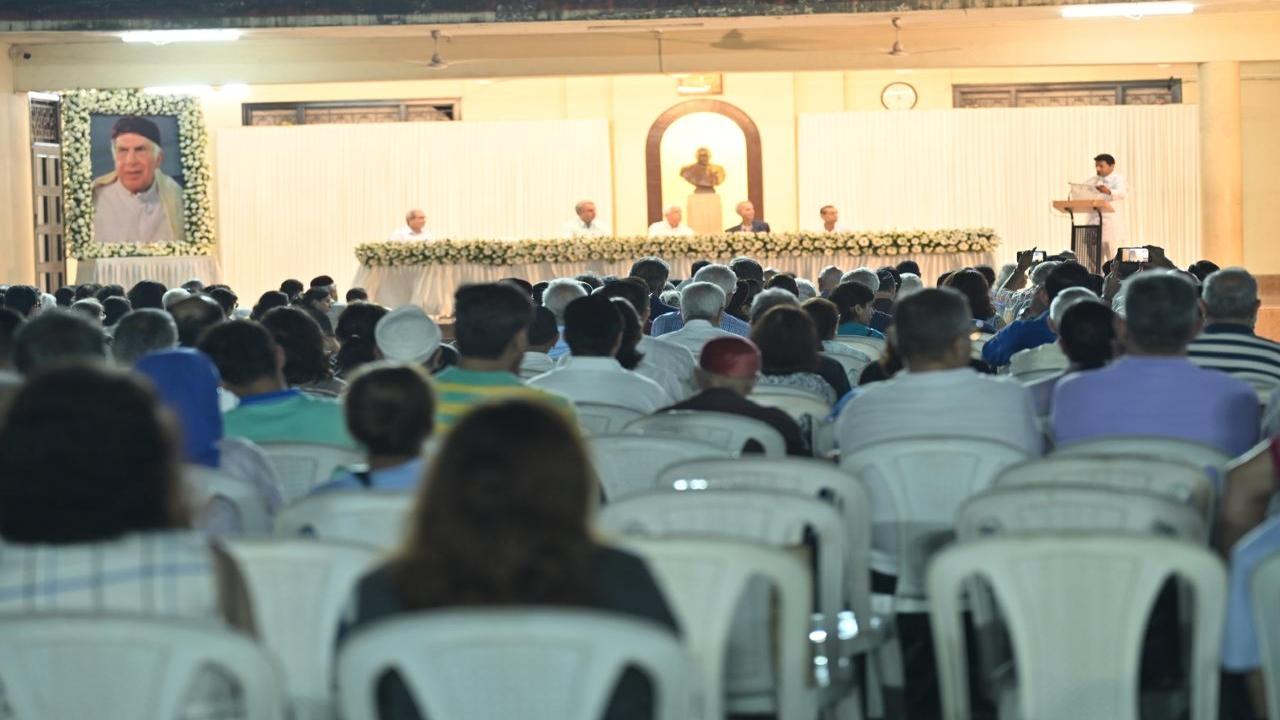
171,271
432,286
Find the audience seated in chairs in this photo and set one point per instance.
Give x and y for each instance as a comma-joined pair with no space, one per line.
268,301
870,279
631,358
193,315
789,354
406,335
973,285
94,519
940,394
544,334
491,324
657,352
252,367
306,360
1034,332
854,301
390,412
510,528
141,332
727,373
723,277
702,307
1086,334
592,373
887,293
54,337
826,318
356,335
654,272
557,296
1228,342
1154,389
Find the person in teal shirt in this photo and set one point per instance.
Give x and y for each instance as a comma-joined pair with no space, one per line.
856,304
252,367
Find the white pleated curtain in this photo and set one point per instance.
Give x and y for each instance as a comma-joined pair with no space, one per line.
1001,169
295,201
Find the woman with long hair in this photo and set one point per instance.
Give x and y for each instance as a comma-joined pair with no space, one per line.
973,285
502,518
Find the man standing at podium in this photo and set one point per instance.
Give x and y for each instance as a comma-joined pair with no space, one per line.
1115,226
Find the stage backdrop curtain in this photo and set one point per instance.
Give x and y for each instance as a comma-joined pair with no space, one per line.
295,201
1002,168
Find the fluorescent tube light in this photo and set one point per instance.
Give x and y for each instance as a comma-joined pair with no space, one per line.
1127,10
164,37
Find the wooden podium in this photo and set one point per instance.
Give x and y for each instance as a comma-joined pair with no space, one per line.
1086,240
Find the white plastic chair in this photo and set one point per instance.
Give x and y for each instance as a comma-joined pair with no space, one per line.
731,432
1062,507
601,418
704,580
873,347
65,667
298,590
1264,588
498,664
853,366
1150,446
808,409
373,518
1027,366
303,466
768,517
1077,612
221,499
1177,480
628,464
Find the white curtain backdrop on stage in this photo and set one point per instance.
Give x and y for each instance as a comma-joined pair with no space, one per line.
1001,169
295,201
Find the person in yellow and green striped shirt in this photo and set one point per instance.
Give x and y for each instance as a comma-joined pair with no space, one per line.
489,322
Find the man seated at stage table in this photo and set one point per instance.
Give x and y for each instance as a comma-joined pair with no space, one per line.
831,219
747,211
672,224
415,223
585,224
137,202
722,277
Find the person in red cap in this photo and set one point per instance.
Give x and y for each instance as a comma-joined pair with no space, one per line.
137,202
726,373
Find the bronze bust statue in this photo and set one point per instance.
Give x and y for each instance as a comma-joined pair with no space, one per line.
702,174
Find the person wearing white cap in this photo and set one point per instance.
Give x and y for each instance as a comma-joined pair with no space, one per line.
407,335
172,296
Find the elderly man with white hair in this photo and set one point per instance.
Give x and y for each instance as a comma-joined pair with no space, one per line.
1228,342
585,225
415,224
559,293
723,277
701,309
671,224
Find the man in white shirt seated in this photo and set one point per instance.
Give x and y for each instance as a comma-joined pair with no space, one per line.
657,352
559,293
593,328
543,333
701,307
585,225
937,393
672,225
415,223
831,219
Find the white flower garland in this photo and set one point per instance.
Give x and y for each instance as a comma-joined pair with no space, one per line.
611,249
77,108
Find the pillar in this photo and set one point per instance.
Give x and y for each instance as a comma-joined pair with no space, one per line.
17,228
1221,164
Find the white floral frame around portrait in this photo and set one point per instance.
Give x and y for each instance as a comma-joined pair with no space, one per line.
78,106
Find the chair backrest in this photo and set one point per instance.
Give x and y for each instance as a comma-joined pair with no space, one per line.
1180,481
497,664
1076,609
704,580
601,418
207,488
1065,507
796,402
916,486
1264,589
57,667
1150,446
628,464
799,476
298,589
303,466
731,432
853,366
373,518
1027,366
873,347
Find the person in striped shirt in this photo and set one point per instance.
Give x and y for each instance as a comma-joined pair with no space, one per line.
490,324
1228,343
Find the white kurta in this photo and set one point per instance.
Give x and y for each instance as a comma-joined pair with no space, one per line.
120,216
575,228
662,228
1115,225
406,233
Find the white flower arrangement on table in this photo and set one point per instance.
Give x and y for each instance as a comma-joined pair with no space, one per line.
617,249
78,106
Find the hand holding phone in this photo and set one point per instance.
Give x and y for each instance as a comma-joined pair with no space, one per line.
1135,255
1038,256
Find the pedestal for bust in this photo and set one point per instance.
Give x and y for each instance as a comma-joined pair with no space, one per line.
705,213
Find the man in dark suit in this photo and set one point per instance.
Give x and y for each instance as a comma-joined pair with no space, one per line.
749,223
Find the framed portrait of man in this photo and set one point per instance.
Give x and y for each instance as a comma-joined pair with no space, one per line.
137,179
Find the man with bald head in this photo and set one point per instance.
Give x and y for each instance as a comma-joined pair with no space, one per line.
415,224
137,203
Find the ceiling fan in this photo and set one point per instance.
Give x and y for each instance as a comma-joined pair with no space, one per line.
898,50
437,62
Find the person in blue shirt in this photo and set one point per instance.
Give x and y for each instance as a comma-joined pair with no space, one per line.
390,411
1027,334
855,301
721,276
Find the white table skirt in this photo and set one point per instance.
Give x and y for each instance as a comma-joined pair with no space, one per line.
170,271
432,286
